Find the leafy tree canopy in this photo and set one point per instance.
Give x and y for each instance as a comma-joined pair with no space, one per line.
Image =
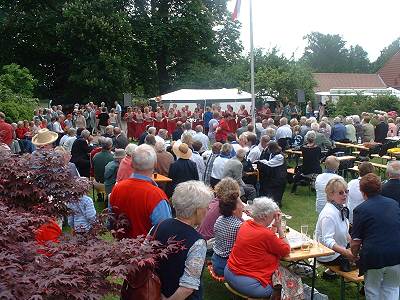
328,53
386,54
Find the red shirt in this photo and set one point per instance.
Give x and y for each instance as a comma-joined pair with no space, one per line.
222,131
6,133
137,199
256,252
20,132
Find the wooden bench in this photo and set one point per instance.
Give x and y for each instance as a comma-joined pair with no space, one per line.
351,276
383,158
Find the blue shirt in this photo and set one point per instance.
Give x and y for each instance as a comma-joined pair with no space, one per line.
84,214
162,211
207,117
338,132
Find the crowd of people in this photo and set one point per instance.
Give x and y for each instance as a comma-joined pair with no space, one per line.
220,150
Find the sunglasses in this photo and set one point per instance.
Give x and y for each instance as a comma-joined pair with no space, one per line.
341,193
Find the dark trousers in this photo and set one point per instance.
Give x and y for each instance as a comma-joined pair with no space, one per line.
275,192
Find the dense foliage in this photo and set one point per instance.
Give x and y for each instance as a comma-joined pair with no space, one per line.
81,49
34,189
16,93
328,53
355,105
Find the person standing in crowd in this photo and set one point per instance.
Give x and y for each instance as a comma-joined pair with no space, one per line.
215,151
118,111
111,169
80,121
212,127
309,110
183,169
234,169
138,197
200,136
176,135
101,159
219,164
283,133
103,120
273,173
376,240
381,130
368,130
243,128
80,153
391,187
196,157
331,167
164,159
181,273
125,168
112,118
355,197
120,140
221,133
207,116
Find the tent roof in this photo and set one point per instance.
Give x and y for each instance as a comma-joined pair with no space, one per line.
216,94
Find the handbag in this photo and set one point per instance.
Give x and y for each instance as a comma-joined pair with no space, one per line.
144,284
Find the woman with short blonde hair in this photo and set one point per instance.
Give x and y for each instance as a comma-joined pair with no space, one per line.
332,228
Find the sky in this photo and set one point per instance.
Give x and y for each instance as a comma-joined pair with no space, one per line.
372,24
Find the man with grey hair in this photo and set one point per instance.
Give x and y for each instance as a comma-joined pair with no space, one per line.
391,187
200,136
101,159
331,167
381,130
69,139
284,131
120,140
338,133
139,198
234,168
243,128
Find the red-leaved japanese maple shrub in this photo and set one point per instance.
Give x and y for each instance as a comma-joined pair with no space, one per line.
39,182
78,266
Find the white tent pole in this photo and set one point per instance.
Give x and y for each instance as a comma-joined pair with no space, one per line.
253,98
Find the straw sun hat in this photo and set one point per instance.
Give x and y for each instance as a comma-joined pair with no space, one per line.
44,137
182,150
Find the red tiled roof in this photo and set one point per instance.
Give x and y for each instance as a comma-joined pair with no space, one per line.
327,81
390,72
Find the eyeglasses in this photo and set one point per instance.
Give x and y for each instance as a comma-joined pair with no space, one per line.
341,193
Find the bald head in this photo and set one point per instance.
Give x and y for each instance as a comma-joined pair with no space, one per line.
332,163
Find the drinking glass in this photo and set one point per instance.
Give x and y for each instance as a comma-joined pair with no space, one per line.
306,245
319,244
283,224
304,229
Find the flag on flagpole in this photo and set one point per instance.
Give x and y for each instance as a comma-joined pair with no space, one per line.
236,12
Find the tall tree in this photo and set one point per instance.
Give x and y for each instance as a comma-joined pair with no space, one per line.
358,61
386,54
325,52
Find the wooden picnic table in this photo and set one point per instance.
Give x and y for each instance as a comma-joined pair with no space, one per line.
161,178
346,157
350,145
291,151
299,256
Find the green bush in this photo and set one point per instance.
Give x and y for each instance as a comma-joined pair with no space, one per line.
355,105
16,93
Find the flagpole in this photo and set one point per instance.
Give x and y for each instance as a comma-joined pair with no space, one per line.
253,98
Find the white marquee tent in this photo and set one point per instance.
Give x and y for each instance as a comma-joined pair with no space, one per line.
191,97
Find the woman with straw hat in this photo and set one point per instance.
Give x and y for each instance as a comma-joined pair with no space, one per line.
44,138
183,169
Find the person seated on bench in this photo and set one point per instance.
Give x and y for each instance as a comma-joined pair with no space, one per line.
332,229
256,253
376,231
227,225
311,159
